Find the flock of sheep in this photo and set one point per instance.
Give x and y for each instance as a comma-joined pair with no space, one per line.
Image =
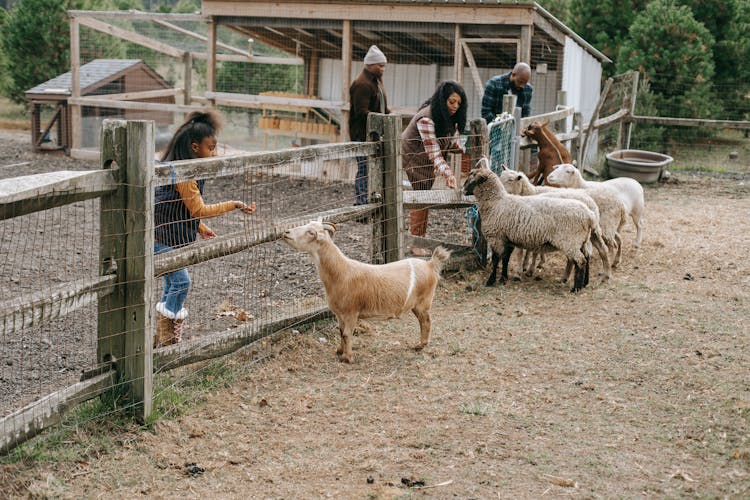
573,218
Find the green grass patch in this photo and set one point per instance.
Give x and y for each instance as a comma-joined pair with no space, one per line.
105,423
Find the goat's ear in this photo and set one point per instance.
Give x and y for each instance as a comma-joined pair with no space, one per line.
544,123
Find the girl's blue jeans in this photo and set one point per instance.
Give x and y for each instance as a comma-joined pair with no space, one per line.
176,284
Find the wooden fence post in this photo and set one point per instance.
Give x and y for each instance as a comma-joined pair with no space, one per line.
479,148
387,129
125,320
575,144
509,106
631,108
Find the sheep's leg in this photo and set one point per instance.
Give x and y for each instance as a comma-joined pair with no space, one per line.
617,250
529,262
425,324
581,272
507,251
493,273
569,265
603,255
520,265
638,223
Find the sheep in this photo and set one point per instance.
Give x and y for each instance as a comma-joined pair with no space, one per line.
517,183
356,290
629,190
532,222
551,150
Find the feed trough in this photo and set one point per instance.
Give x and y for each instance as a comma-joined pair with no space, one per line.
643,166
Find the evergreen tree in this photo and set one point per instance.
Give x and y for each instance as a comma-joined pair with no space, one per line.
604,23
35,40
674,53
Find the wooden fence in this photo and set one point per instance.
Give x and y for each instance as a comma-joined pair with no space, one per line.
125,286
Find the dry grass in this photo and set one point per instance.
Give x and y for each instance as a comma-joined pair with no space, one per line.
633,387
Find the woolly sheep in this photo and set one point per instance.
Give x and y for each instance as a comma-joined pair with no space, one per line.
517,183
356,290
629,190
534,223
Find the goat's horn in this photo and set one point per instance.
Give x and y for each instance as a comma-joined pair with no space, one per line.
482,162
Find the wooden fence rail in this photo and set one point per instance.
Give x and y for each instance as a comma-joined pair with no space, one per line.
127,267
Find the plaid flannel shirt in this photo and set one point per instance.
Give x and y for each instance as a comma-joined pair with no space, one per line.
426,128
496,88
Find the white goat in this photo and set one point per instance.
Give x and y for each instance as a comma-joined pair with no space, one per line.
531,222
629,190
356,290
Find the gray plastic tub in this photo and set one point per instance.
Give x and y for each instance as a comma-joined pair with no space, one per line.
643,166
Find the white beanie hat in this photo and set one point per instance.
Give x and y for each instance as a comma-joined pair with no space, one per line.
375,56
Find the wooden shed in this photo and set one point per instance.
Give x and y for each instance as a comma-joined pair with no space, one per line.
425,42
113,78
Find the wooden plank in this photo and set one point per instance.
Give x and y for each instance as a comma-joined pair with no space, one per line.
141,106
129,36
609,120
544,25
75,84
143,94
221,166
187,61
293,61
138,275
437,198
112,233
524,47
508,41
33,193
211,62
235,242
458,55
552,116
631,107
197,36
135,14
474,13
32,419
346,71
226,342
691,122
258,101
590,127
51,303
478,84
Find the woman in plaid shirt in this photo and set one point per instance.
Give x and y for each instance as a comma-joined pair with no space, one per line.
425,143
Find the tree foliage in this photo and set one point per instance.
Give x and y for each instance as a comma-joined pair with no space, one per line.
35,40
673,51
604,23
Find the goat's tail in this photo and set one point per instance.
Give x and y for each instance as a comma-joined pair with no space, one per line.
439,257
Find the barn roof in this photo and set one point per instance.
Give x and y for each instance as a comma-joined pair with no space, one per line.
94,74
426,27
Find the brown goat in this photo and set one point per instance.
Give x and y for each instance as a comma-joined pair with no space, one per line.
551,150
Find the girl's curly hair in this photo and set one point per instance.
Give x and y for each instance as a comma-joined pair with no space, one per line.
197,126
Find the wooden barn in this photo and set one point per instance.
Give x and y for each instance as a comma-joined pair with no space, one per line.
425,42
113,78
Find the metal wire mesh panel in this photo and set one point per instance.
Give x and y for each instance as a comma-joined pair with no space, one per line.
502,139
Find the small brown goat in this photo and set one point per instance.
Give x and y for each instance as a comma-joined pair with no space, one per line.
356,290
551,150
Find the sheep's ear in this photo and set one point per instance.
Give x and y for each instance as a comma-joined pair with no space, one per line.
519,177
330,227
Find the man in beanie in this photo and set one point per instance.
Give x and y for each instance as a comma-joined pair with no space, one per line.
366,95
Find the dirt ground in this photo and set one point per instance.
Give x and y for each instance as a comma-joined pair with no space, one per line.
634,387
